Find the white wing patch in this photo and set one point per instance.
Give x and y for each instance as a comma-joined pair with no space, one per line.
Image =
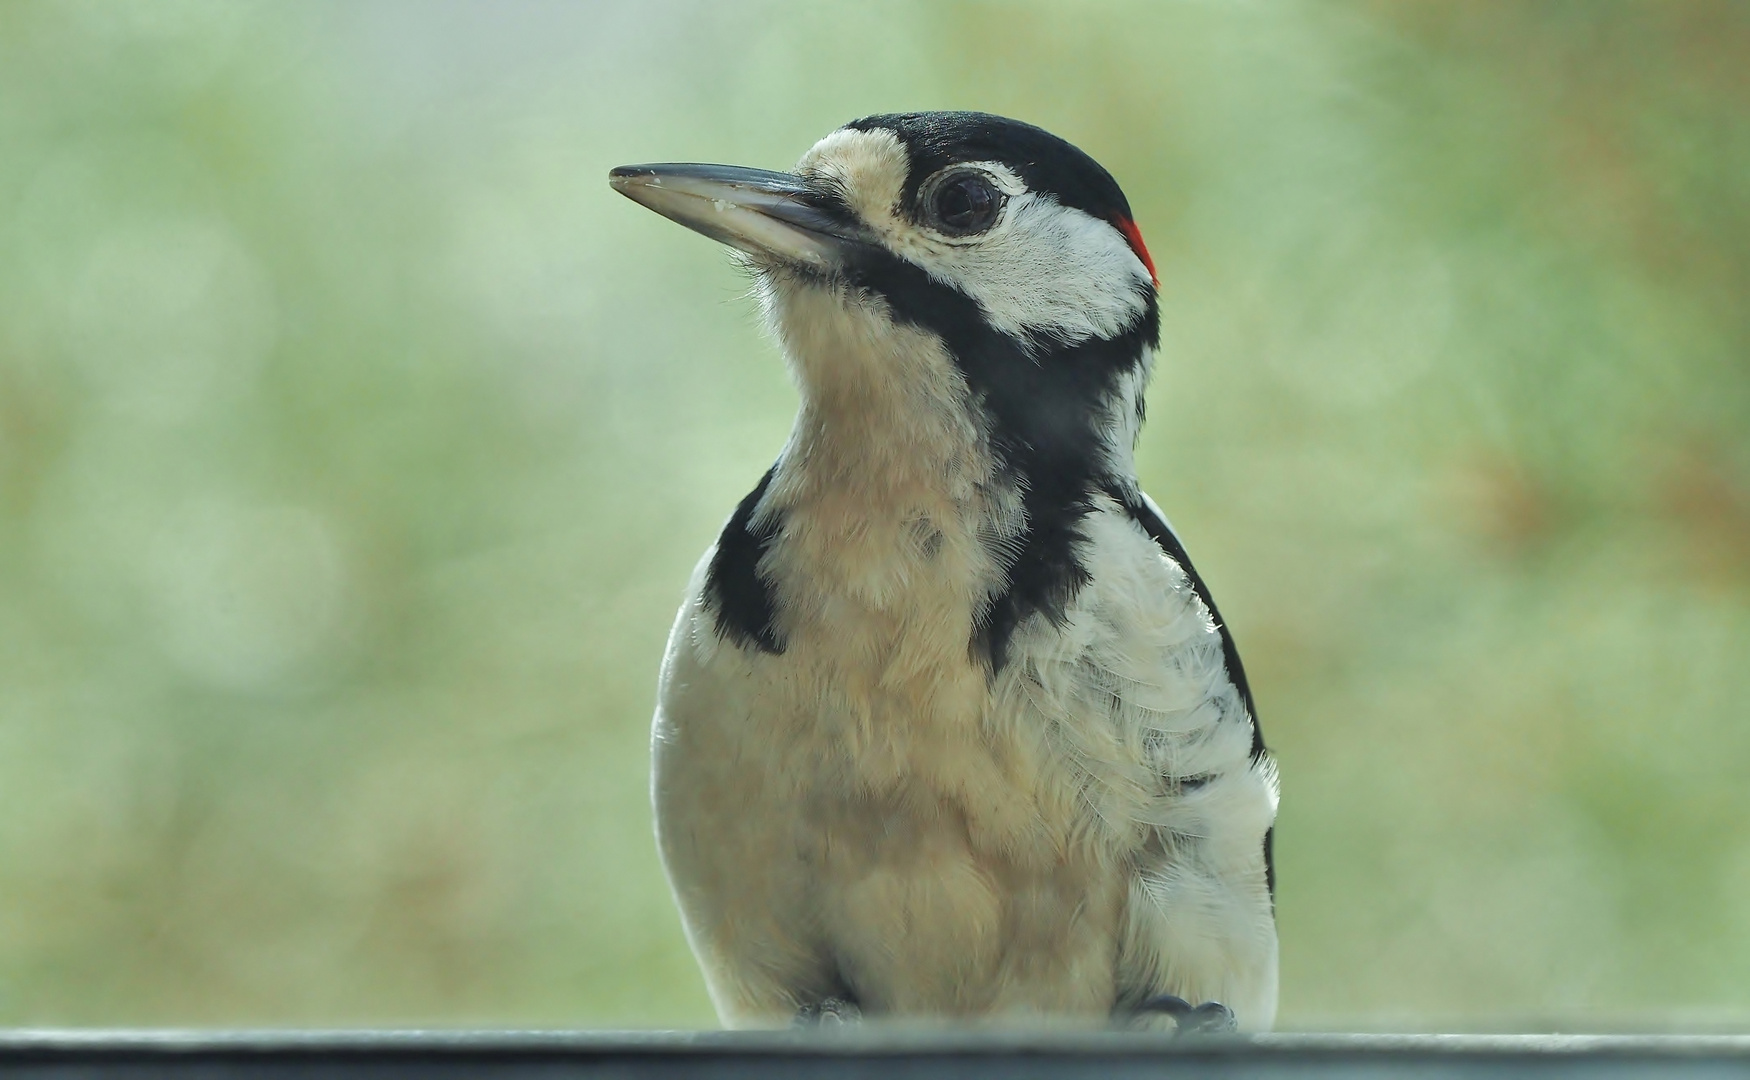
1133,691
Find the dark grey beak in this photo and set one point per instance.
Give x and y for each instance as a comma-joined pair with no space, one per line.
767,214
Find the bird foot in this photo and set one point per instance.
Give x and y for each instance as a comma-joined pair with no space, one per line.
827,1013
1209,1018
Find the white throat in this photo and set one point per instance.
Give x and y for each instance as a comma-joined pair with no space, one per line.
887,484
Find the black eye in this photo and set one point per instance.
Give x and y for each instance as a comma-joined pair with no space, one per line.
965,204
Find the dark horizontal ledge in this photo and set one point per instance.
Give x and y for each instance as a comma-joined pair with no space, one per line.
866,1052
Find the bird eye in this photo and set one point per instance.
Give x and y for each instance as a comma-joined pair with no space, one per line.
965,204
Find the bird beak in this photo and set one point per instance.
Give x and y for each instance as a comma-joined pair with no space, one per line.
769,215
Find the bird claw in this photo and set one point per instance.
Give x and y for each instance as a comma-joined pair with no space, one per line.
1209,1018
829,1012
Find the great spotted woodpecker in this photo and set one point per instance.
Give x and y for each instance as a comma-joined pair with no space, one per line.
948,725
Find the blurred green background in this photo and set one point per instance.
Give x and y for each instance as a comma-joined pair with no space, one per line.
356,444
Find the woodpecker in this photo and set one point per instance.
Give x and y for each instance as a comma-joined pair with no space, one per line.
948,727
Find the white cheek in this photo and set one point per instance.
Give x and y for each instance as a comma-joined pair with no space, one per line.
1047,270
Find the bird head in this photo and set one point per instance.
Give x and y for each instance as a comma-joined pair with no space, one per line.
1010,247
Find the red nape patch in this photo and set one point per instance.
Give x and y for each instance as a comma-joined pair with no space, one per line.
1133,236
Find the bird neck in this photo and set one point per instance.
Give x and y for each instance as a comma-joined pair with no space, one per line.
888,485
921,479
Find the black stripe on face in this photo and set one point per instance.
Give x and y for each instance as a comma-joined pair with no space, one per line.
1048,407
739,597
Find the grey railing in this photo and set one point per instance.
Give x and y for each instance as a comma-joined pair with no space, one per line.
396,1055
